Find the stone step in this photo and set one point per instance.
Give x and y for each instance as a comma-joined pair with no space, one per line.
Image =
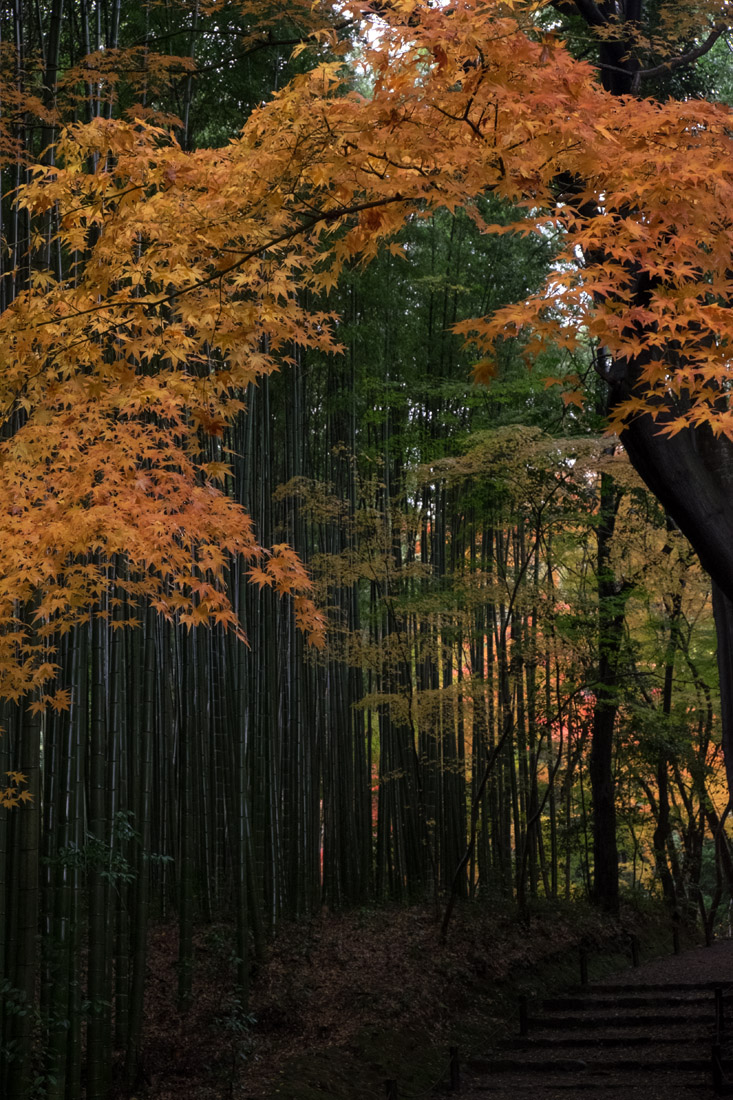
647,1000
655,987
551,1042
567,1065
671,1086
617,1037
556,1022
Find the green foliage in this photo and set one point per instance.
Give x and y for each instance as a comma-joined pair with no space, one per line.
103,856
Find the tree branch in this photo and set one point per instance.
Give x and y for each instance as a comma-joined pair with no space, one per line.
587,8
686,58
596,18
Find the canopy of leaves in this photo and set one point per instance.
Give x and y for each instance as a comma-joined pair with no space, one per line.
184,276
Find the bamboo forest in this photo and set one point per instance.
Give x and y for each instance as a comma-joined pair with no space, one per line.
366,553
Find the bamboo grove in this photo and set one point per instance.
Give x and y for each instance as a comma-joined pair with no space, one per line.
488,581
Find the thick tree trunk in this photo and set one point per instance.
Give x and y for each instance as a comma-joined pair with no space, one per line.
691,474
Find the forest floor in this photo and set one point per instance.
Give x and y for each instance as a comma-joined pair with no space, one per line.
347,1001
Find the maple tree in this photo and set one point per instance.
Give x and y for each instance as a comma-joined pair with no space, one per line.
106,463
15,792
184,267
153,290
183,259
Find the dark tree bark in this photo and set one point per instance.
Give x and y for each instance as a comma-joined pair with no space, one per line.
662,833
690,473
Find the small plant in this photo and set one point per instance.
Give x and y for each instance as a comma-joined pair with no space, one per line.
238,1024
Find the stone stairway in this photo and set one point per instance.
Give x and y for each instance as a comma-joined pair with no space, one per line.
648,1039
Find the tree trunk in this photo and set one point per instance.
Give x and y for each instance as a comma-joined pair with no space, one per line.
723,615
690,473
611,602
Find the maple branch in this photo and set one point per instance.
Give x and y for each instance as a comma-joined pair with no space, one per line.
587,8
325,216
685,58
595,17
216,276
265,41
268,42
289,235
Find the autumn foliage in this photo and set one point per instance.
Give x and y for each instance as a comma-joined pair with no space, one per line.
185,276
291,612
